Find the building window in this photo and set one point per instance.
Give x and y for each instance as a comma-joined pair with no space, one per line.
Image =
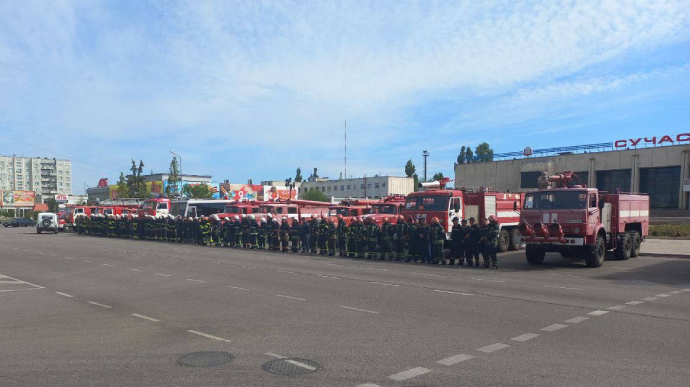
529,179
348,187
369,186
383,185
342,187
613,180
361,186
376,185
335,188
662,185
323,189
584,177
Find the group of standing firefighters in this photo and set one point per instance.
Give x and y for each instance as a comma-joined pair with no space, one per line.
411,240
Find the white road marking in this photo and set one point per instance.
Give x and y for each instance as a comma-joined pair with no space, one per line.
298,364
597,312
577,320
88,261
663,295
145,317
64,294
650,299
411,373
686,290
133,269
271,354
207,335
375,268
676,292
18,281
28,251
634,303
359,310
449,292
235,287
69,258
328,276
39,253
525,337
163,275
53,255
435,275
99,304
449,361
368,385
561,287
109,265
567,275
493,347
286,271
290,297
488,280
617,307
333,264
553,327
382,283
195,280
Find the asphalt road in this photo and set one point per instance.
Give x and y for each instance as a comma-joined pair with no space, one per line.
87,311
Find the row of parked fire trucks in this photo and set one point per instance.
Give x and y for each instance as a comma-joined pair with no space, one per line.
577,221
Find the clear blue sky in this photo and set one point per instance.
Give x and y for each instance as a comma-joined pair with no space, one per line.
254,89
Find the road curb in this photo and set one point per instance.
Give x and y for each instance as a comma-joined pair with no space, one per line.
680,256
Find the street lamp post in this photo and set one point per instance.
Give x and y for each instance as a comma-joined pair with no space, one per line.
425,154
179,178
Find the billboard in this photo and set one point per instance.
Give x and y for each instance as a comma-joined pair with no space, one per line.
242,191
153,189
17,198
272,192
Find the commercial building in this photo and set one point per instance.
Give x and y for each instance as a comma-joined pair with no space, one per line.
156,184
46,177
658,166
363,187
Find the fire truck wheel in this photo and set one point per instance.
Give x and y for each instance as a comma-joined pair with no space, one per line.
534,256
514,237
503,241
595,255
624,248
635,236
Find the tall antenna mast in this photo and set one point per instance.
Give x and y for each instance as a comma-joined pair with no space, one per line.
346,149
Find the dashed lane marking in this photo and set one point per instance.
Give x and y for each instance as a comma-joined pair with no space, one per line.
69,258
597,312
676,292
525,337
328,276
99,304
271,354
109,265
65,294
196,280
129,268
449,361
208,336
293,362
382,283
290,297
145,317
561,287
368,385
649,299
359,310
163,275
484,279
553,327
634,303
409,374
577,320
493,347
431,274
663,295
88,261
449,292
238,288
617,307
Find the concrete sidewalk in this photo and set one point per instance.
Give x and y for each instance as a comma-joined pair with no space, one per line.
653,247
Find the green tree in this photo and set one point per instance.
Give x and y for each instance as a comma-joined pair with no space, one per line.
410,169
298,175
469,156
315,175
122,187
135,182
416,182
461,156
197,191
484,152
438,176
173,179
52,205
314,194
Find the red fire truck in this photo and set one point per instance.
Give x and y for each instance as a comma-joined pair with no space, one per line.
155,207
72,213
446,204
388,207
350,208
581,222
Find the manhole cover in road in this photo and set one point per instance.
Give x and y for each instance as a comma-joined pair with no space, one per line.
205,359
291,367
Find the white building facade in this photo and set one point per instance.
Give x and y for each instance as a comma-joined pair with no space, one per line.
363,187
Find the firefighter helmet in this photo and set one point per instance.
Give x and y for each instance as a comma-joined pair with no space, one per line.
492,218
385,219
313,216
237,217
353,220
434,220
401,218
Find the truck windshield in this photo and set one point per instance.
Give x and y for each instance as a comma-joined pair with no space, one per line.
149,205
177,208
232,210
556,200
388,209
427,203
339,211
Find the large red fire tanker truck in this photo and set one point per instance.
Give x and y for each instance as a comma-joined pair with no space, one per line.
388,207
581,222
445,204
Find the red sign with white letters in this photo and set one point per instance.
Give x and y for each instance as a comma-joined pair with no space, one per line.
663,140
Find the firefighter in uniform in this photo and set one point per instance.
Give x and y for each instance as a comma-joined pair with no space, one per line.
253,232
352,235
457,241
323,236
412,241
374,235
314,236
491,243
423,245
262,232
438,238
361,239
332,237
387,235
342,233
305,234
472,243
284,235
295,231
399,239
237,231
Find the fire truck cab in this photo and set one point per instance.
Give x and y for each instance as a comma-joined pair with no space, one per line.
72,213
155,207
580,222
388,207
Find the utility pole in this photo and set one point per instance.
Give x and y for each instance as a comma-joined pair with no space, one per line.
425,154
346,149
